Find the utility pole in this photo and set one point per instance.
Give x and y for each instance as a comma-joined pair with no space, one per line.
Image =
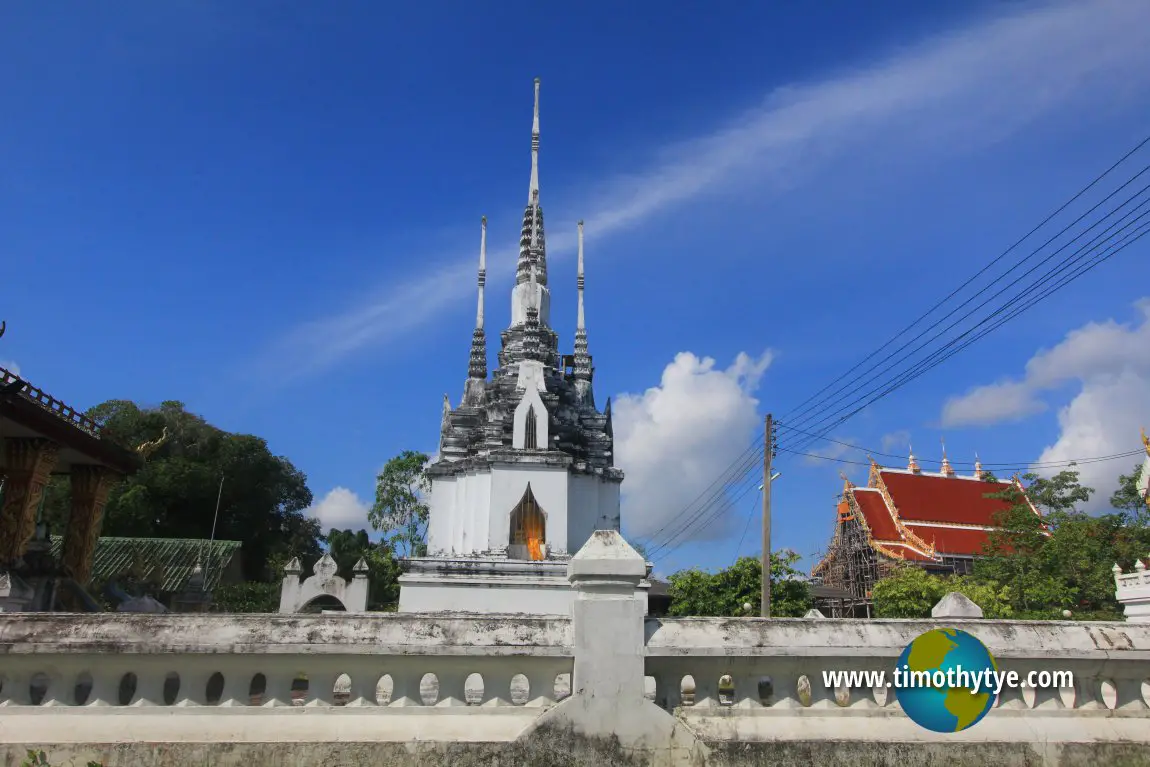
768,453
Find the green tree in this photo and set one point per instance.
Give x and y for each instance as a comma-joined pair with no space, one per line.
247,597
1128,499
908,592
174,495
695,592
912,592
399,509
1012,554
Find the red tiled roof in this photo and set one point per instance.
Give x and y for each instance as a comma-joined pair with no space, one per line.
878,519
935,498
951,540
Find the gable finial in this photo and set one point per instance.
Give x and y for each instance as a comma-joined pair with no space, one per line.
946,470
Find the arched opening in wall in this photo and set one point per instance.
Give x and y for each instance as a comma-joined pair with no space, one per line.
530,430
528,534
321,603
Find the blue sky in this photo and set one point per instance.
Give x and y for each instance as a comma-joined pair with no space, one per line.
271,212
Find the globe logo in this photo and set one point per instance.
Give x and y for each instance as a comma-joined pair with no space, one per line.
946,680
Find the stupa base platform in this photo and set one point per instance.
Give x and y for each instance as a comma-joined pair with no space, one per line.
485,585
493,585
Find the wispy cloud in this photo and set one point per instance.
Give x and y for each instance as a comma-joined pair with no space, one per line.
978,84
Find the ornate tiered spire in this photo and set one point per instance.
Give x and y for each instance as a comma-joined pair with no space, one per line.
912,462
977,467
477,369
532,243
582,358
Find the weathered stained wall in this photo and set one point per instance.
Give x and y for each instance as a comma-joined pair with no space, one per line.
757,691
349,634
560,749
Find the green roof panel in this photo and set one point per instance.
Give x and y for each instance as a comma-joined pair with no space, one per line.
177,556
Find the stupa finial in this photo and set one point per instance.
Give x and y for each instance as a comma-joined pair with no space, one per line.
533,191
582,367
477,363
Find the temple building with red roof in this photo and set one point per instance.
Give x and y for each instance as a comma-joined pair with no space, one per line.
938,521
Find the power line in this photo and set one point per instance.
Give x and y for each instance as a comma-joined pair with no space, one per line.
953,463
1008,303
1036,465
722,479
934,360
904,378
739,465
987,267
669,548
714,504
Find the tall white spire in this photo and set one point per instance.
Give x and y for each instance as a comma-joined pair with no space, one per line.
477,364
579,281
582,367
482,272
533,191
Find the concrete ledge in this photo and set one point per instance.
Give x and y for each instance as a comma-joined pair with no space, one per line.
300,724
799,637
436,634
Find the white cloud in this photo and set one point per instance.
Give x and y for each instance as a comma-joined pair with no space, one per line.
973,86
341,509
10,366
1110,362
675,438
991,404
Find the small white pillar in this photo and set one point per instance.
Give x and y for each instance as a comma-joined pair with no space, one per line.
289,591
955,605
608,615
607,698
1132,590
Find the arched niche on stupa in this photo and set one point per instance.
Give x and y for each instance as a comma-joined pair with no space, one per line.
528,533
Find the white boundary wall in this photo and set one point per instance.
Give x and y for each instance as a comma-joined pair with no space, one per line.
666,691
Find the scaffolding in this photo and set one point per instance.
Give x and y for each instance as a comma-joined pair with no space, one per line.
851,566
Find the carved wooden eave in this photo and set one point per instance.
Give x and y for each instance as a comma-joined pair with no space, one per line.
33,412
908,536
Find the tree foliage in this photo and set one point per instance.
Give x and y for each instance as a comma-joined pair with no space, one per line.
174,495
1127,498
911,592
383,569
724,593
400,510
247,597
